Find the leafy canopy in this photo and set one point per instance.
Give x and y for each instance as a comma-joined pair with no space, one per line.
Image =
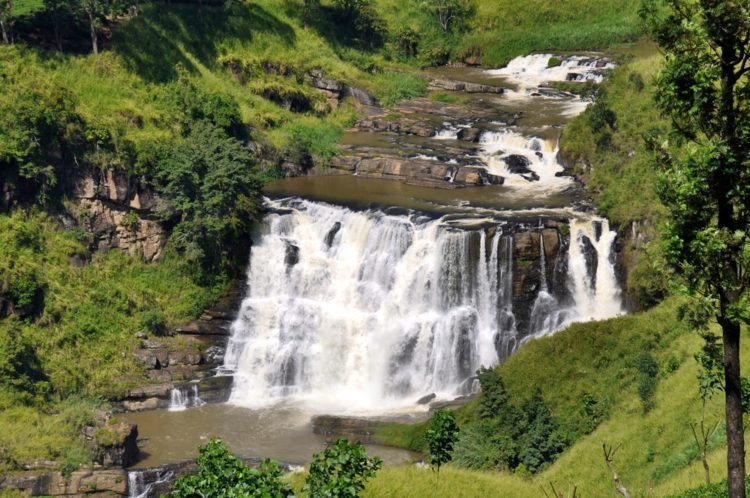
223,475
341,470
441,436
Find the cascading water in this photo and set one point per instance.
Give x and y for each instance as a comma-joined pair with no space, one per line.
364,310
181,398
140,483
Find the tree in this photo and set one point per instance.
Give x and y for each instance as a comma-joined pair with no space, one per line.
221,474
706,176
6,17
450,13
58,11
341,470
96,11
441,435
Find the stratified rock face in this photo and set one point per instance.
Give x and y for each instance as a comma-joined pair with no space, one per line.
79,484
414,171
117,210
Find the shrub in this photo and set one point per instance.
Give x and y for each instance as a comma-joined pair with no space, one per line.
341,470
395,87
648,369
153,321
554,62
441,435
221,474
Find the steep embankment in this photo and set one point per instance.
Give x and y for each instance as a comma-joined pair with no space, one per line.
658,455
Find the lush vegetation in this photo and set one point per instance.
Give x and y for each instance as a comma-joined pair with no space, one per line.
341,470
221,474
590,377
78,325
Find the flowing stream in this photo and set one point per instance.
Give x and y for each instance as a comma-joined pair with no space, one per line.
366,310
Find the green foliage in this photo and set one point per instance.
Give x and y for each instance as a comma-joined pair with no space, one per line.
39,131
451,15
717,490
504,435
21,371
554,62
308,142
153,320
221,474
394,87
341,471
648,371
214,195
441,436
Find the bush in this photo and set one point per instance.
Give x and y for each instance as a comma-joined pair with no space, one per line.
395,87
717,490
341,470
221,474
153,321
648,370
441,436
214,196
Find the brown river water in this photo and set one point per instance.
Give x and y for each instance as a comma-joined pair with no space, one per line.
281,433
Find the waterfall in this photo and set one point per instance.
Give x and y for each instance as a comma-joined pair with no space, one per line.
353,311
181,398
527,164
140,484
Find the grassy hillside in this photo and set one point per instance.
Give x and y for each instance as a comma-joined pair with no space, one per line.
657,455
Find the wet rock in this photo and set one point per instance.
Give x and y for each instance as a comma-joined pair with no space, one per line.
551,242
591,257
426,399
464,86
291,256
331,235
362,96
147,358
152,391
519,165
469,134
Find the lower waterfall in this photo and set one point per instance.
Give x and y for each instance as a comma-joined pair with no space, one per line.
364,310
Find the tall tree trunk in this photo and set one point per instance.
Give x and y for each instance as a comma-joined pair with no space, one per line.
6,14
735,429
94,34
4,29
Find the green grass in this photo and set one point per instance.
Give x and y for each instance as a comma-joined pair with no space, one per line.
657,454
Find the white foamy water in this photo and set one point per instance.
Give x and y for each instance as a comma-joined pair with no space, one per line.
362,311
533,71
539,158
182,398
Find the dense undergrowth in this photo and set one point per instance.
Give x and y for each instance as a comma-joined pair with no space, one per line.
75,347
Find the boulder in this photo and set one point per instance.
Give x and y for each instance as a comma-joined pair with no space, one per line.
362,96
469,134
116,445
519,165
426,399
